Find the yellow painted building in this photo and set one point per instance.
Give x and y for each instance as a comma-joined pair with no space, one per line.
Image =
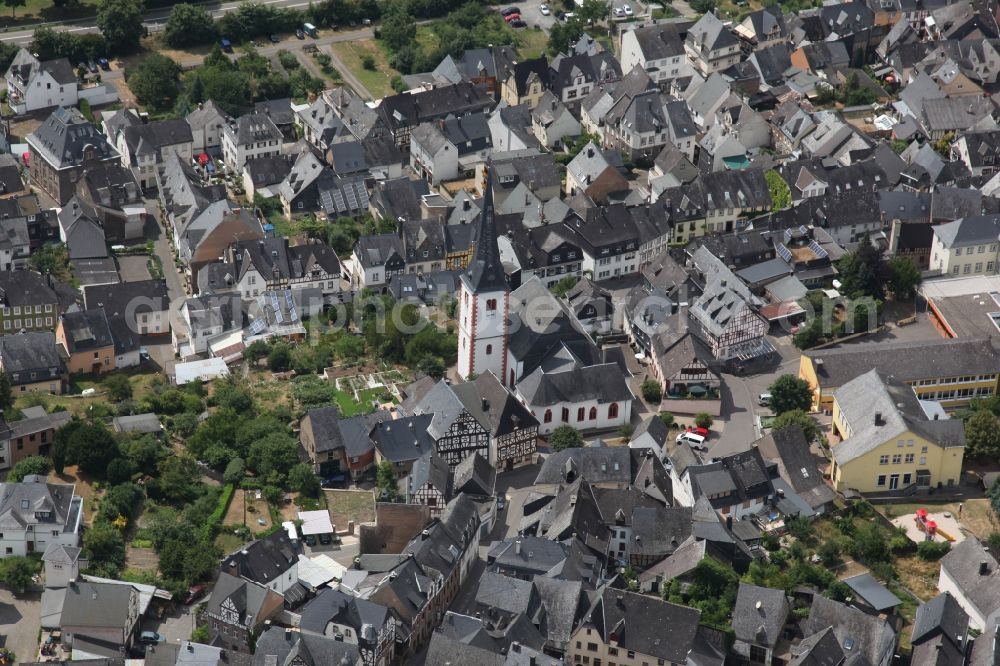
891,440
951,371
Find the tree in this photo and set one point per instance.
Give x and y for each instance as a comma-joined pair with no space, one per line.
154,81
258,349
302,479
667,418
652,392
6,392
103,544
90,445
703,420
274,454
280,357
385,480
120,21
14,4
17,572
799,418
593,11
565,437
179,478
235,471
789,392
982,435
564,35
189,25
829,553
781,196
863,272
562,287
39,465
905,278
118,387
398,28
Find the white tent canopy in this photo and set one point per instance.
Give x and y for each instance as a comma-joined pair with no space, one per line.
315,522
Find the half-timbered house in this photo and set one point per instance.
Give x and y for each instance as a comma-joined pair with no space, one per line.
237,611
353,620
457,434
513,429
725,316
428,483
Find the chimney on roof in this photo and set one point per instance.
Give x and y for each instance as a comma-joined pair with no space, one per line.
190,647
984,568
517,547
878,418
590,151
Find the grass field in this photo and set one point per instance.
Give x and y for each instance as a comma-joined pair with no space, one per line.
348,505
228,542
142,385
377,81
349,407
977,518
533,43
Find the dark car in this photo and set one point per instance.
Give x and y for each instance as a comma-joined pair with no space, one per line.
300,34
325,539
105,65
92,67
518,23
509,11
335,481
195,592
274,39
310,539
561,16
227,45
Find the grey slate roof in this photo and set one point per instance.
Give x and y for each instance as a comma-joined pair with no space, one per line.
969,231
254,127
18,288
86,330
907,361
145,423
899,411
405,439
274,648
873,592
352,434
31,352
760,614
335,606
264,560
64,137
644,624
940,615
869,635
606,464
962,564
97,605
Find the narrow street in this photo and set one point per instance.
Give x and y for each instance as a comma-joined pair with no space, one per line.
162,353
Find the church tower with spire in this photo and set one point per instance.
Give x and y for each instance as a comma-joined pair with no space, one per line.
483,302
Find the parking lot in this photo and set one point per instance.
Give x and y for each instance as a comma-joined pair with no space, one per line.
531,14
19,622
176,626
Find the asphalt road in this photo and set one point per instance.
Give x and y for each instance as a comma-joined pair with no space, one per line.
153,20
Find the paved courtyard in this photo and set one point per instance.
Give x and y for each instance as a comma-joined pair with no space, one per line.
19,622
946,523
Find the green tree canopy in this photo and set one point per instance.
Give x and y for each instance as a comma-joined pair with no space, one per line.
189,25
120,21
565,437
118,387
788,393
301,478
652,392
386,481
398,28
781,196
154,81
905,278
799,418
90,445
863,271
982,435
39,465
17,572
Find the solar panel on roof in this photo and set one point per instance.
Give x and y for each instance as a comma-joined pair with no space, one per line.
288,299
292,314
257,326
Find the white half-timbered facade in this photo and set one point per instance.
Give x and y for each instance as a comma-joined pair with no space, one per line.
457,434
427,483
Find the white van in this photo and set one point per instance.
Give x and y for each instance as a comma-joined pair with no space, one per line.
764,399
695,440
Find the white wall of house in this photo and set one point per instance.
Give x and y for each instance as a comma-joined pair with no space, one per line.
602,422
42,92
21,541
981,259
977,617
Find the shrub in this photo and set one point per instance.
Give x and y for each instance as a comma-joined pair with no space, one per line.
368,62
703,420
652,392
288,60
932,551
215,518
829,553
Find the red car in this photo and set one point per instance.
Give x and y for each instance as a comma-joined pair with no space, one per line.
512,17
698,430
194,593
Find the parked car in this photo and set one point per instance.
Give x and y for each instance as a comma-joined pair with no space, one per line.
698,430
105,65
194,593
512,17
274,39
764,399
627,9
300,34
227,45
325,539
310,539
518,23
501,503
695,440
335,481
151,638
544,9
92,67
510,10
561,16
619,11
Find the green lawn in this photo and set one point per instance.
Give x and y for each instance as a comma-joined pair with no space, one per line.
37,11
349,407
377,81
533,43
